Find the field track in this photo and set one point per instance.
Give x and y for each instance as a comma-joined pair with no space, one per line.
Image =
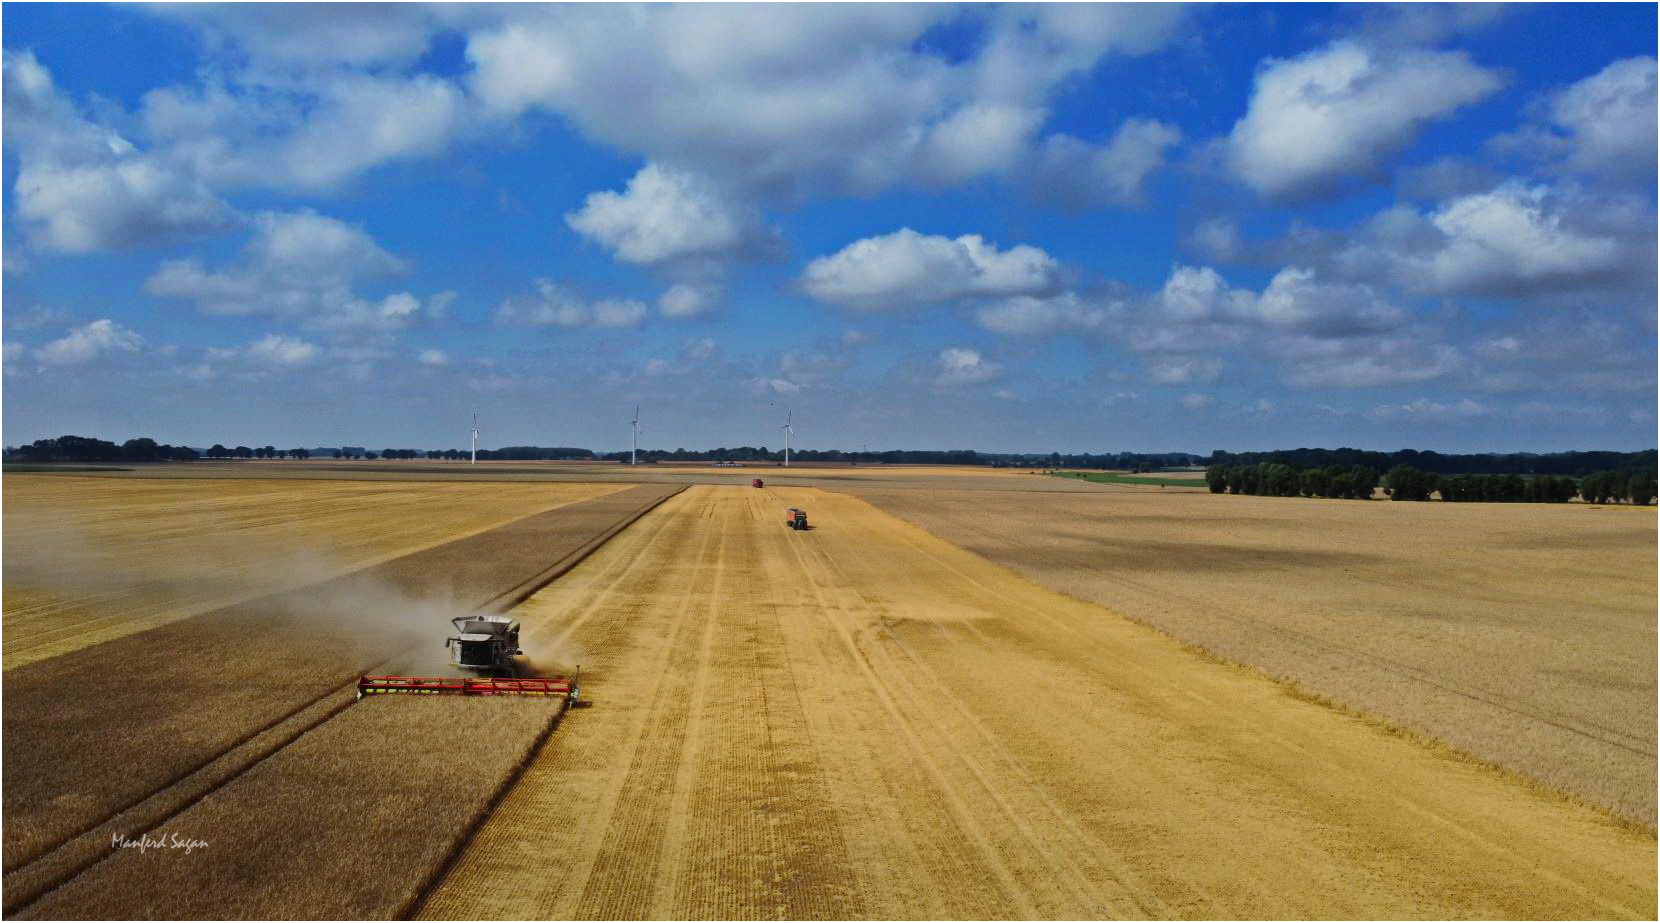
89,559
95,746
1523,634
865,721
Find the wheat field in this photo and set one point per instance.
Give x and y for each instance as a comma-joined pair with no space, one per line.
1523,634
865,721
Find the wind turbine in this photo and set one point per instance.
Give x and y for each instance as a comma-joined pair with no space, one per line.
789,416
634,447
475,439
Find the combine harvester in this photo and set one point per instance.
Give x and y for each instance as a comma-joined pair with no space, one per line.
486,643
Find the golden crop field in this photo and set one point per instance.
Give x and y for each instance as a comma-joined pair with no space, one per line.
352,819
121,736
1523,634
864,720
88,559
867,719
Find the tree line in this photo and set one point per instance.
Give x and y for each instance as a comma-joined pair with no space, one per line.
1572,464
84,449
1406,482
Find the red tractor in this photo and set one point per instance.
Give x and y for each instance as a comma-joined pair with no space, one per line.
756,483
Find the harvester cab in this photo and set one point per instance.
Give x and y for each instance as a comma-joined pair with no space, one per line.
484,642
795,518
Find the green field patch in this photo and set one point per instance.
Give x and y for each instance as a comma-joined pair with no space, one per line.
1110,477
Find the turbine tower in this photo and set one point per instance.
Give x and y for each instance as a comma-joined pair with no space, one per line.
789,416
475,439
634,447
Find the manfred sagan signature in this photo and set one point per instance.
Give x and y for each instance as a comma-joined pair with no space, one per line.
145,841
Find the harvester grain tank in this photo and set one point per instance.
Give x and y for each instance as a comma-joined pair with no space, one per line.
484,642
795,518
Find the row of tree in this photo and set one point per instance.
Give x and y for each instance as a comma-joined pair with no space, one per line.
218,451
1405,482
1277,479
1573,464
84,449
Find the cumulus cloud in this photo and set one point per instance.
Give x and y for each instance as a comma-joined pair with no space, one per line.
82,187
959,367
906,268
1197,401
1344,110
1515,240
300,266
666,216
97,340
1295,300
1075,173
1602,126
555,305
433,357
789,99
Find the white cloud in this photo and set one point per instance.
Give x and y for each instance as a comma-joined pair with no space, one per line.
82,187
1601,126
1182,371
557,306
667,215
1426,410
1534,242
434,357
1196,294
97,340
311,130
976,140
1196,401
1071,172
280,352
1372,362
959,367
1216,239
1507,238
1027,315
799,98
1296,300
1343,111
300,266
684,300
906,268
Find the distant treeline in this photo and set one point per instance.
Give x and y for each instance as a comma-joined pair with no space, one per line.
1573,464
83,449
1405,482
763,454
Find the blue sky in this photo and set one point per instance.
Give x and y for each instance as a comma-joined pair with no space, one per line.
1013,228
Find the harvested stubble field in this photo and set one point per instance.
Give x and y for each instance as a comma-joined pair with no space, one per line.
135,722
350,822
88,559
1522,634
864,720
